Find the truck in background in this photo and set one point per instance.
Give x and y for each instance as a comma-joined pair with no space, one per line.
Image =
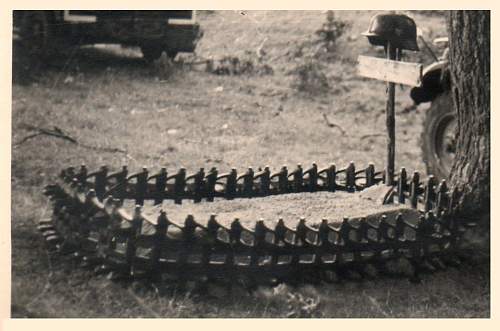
43,32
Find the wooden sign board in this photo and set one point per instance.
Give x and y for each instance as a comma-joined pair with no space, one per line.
390,71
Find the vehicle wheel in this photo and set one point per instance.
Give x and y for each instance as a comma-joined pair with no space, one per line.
151,53
36,34
439,136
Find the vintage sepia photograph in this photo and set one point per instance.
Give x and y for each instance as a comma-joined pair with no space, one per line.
250,164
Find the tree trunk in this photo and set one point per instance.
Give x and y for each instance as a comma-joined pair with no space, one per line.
469,35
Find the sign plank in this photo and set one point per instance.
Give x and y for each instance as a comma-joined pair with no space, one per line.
390,71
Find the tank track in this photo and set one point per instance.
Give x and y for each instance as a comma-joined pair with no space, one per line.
91,224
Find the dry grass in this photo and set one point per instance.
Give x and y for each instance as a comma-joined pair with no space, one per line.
108,98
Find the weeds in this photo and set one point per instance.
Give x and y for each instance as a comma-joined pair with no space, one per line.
330,32
164,68
310,77
311,55
301,302
300,306
323,45
233,65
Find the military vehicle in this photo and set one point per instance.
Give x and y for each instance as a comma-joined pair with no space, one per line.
440,123
42,32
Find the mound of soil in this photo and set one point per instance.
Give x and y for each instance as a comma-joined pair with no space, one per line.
314,207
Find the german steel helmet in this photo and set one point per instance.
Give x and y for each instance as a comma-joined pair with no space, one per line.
399,30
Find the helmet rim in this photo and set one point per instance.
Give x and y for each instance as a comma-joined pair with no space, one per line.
377,38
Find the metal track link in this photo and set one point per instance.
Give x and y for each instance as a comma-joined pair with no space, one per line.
90,223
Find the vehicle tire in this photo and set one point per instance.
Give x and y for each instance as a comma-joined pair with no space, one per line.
36,34
439,136
151,53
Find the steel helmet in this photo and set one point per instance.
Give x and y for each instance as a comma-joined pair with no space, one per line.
399,30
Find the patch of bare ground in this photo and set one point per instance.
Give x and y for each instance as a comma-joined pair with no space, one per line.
314,207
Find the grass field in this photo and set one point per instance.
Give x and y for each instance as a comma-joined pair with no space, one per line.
123,111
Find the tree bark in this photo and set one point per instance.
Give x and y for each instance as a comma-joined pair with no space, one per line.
469,36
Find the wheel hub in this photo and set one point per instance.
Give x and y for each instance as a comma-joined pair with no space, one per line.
446,141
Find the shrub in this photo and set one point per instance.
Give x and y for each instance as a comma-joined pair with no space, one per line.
310,77
331,31
164,68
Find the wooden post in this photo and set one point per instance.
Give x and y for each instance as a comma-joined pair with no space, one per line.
389,30
390,122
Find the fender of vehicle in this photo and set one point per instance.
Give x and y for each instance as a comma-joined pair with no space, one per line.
435,80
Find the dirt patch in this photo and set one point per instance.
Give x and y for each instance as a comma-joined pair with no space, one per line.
314,207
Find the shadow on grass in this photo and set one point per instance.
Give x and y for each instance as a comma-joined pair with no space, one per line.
94,59
65,290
